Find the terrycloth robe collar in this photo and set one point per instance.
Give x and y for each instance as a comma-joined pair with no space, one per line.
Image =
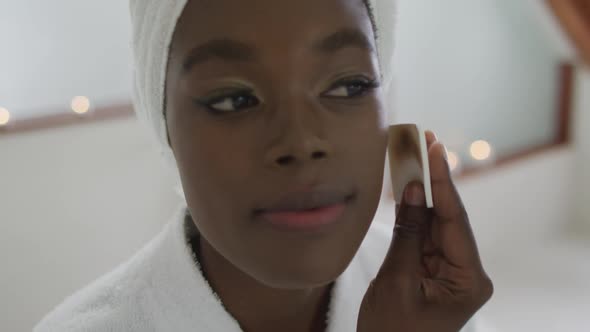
187,299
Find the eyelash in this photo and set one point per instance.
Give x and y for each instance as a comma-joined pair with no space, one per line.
365,85
208,103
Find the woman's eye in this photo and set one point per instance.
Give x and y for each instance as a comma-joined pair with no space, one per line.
230,103
351,88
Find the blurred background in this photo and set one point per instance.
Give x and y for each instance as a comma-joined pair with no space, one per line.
504,83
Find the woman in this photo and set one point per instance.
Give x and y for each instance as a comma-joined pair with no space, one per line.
273,112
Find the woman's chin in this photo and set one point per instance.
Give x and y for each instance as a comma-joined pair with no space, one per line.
290,275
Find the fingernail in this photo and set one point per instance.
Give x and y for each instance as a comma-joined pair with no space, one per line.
415,195
433,134
446,153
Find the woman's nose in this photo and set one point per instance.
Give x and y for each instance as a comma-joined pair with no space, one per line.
300,138
308,151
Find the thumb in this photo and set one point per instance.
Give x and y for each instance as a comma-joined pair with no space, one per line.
403,262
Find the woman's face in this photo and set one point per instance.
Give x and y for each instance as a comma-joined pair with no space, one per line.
271,103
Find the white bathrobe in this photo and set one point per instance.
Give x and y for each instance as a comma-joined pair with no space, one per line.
161,288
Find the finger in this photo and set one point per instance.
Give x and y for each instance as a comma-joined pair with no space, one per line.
404,258
454,231
428,247
430,138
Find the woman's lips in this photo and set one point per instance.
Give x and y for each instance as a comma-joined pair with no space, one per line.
306,210
306,219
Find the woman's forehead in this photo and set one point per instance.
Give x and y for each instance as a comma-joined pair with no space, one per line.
269,23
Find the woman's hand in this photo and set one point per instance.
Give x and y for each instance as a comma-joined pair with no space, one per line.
432,278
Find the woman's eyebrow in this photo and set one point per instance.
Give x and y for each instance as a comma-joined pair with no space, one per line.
344,38
235,51
222,49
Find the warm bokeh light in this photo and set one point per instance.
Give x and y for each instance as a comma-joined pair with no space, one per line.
4,116
80,105
481,150
453,160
